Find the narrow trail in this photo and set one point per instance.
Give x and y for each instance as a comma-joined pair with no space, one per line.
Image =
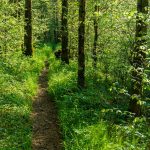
46,133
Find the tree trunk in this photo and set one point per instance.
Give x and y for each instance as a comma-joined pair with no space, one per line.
28,50
95,37
65,51
81,55
138,57
56,23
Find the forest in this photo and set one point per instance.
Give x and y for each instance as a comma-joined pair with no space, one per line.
74,75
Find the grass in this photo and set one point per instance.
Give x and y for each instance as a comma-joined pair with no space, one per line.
95,118
18,80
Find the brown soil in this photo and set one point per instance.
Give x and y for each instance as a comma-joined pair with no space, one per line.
46,133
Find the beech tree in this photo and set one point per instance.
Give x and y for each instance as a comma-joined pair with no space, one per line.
138,57
65,51
28,50
81,41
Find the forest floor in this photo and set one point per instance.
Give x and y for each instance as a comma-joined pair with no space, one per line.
46,132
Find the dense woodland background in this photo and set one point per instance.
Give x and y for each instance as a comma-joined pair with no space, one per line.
99,74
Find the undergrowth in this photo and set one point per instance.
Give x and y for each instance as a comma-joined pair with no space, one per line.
18,85
91,119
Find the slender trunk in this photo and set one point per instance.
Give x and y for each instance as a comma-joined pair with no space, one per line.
81,55
56,23
65,51
95,37
138,57
28,50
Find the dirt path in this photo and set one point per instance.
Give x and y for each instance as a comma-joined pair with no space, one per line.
46,135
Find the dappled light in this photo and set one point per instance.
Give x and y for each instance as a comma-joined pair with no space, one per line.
74,75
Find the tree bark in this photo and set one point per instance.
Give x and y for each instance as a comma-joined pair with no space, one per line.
65,51
81,55
95,37
138,57
28,50
56,23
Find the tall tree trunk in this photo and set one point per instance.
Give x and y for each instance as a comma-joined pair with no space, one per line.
65,51
56,22
95,37
138,57
28,50
81,55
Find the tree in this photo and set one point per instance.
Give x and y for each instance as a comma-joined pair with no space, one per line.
95,36
56,23
138,57
65,51
81,40
28,50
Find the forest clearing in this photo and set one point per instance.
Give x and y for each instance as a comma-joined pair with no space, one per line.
74,75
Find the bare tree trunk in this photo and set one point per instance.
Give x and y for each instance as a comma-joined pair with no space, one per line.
28,50
81,55
95,37
56,23
65,51
138,57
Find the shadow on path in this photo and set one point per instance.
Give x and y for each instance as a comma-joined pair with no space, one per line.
46,133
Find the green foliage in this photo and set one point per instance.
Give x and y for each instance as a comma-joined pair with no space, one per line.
94,118
12,24
18,80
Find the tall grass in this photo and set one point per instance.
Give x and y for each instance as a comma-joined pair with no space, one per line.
18,85
89,120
